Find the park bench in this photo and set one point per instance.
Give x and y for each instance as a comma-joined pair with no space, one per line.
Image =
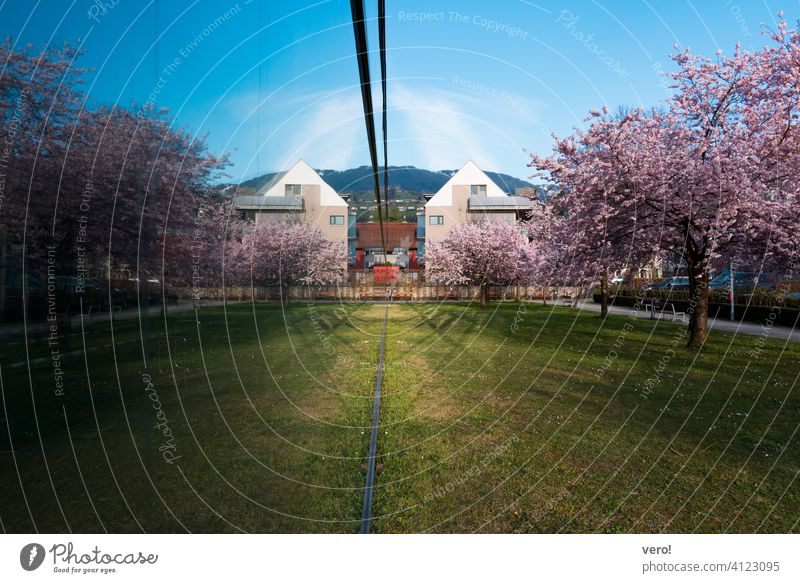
111,308
94,310
372,295
658,309
446,295
382,295
63,320
439,295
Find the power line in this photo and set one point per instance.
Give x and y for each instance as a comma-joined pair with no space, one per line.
382,41
360,32
359,28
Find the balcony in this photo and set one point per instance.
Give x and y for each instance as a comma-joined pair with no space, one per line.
516,204
270,203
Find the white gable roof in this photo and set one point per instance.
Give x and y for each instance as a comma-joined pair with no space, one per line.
302,173
468,174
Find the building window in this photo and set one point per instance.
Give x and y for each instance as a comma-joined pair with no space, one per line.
292,190
478,189
337,219
436,220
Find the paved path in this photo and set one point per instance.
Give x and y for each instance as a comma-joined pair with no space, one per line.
749,328
17,328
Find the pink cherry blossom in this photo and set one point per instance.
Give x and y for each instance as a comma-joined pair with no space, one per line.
713,173
494,253
277,253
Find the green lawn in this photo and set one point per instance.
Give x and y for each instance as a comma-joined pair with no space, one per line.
516,418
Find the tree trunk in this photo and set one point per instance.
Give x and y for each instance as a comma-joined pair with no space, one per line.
545,291
285,295
603,293
484,293
698,302
3,271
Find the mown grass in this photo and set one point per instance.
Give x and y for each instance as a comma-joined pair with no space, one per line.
267,411
517,418
539,419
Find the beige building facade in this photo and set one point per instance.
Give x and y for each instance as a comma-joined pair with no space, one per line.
299,194
470,196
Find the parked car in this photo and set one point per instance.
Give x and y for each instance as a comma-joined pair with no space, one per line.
401,258
373,256
32,280
398,256
617,280
73,284
741,279
667,283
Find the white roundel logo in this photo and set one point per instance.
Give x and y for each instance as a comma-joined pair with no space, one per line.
31,556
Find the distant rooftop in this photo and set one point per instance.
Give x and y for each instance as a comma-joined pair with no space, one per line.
397,235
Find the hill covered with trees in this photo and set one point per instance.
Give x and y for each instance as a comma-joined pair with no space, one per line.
401,178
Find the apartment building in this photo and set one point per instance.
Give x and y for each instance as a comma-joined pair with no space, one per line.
469,196
300,194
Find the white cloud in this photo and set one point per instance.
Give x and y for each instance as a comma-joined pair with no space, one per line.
430,127
329,134
324,129
439,129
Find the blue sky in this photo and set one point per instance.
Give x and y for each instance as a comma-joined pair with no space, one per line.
274,81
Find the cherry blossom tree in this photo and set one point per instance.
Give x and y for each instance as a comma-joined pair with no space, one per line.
547,263
37,106
94,187
714,172
285,254
485,254
208,253
138,182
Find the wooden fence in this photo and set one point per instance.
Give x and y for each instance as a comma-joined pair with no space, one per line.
363,289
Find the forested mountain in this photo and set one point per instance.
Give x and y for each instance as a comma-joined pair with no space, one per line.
403,178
